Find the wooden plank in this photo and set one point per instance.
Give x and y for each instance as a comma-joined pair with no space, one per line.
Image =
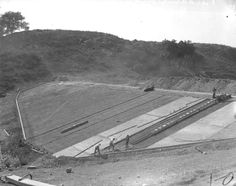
74,127
13,179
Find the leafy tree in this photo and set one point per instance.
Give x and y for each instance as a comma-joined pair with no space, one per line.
185,48
11,22
178,50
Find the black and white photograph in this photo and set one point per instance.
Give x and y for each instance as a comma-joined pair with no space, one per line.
118,92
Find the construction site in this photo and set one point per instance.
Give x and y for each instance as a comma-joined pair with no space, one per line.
95,114
94,122
118,93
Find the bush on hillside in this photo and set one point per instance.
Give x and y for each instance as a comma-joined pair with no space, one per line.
178,50
20,68
14,148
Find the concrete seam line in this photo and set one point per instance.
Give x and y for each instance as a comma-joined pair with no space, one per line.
19,114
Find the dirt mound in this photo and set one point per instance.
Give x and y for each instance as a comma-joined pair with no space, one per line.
196,84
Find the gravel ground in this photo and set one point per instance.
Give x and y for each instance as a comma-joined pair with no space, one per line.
173,168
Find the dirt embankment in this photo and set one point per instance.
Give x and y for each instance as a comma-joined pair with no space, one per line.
32,56
196,84
191,84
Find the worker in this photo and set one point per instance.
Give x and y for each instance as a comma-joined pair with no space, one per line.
127,142
112,145
97,150
214,93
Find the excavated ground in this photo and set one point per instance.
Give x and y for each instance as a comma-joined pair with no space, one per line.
183,167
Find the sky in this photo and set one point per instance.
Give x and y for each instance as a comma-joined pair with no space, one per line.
204,21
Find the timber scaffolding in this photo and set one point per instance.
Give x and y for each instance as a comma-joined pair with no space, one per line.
171,121
176,118
167,122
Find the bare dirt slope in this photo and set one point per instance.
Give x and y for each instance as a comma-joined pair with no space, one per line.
197,84
185,167
43,54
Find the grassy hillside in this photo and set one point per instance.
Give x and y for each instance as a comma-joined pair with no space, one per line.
36,55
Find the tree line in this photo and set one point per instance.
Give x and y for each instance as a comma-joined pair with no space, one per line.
179,49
